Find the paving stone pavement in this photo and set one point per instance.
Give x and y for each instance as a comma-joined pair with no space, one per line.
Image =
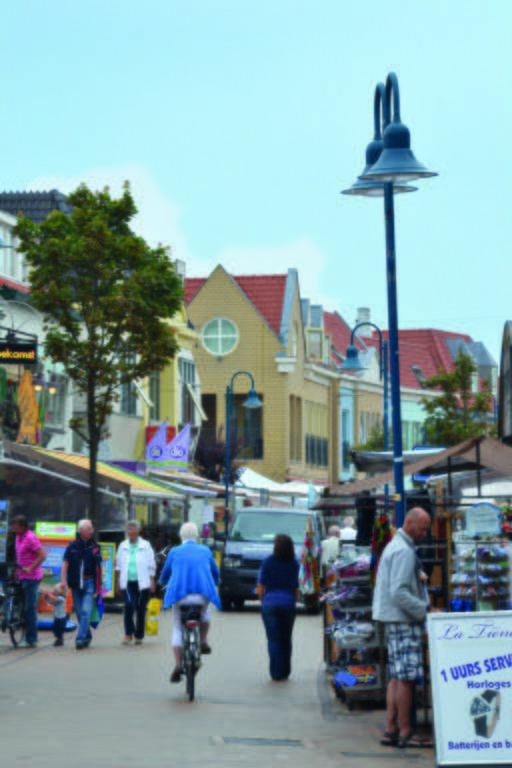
113,707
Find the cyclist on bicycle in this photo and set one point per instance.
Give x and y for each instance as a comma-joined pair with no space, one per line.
190,573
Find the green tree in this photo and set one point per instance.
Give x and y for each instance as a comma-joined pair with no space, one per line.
106,297
375,441
457,413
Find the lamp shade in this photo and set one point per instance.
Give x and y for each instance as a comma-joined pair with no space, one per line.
253,400
373,188
352,360
397,162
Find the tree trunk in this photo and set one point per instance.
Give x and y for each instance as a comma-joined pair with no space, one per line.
94,441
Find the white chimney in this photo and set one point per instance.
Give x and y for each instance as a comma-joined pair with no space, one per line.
180,268
363,316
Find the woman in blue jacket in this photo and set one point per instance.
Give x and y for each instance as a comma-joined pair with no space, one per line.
190,573
278,584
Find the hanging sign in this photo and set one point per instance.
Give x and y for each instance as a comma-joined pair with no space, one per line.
471,674
483,520
24,352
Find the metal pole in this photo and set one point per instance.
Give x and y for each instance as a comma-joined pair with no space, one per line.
398,463
226,469
386,396
385,363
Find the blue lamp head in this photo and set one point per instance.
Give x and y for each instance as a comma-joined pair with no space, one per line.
397,162
352,360
373,188
253,400
366,187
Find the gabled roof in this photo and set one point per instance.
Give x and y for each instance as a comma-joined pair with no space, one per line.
265,292
34,205
339,333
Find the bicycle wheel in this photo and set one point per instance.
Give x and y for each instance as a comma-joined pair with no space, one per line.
16,623
190,671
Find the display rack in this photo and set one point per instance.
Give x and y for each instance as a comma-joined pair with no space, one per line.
354,648
481,575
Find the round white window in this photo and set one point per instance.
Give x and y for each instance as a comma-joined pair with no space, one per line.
220,336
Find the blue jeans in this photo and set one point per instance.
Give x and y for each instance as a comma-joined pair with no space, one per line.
30,588
279,621
83,601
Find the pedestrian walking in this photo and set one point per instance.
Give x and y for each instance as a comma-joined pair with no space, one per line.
135,577
56,597
81,572
277,587
29,557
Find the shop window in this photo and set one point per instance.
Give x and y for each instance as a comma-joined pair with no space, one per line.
247,428
154,396
187,373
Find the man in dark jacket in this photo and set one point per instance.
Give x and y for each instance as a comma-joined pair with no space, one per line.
81,571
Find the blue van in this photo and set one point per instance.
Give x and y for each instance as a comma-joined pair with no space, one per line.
251,540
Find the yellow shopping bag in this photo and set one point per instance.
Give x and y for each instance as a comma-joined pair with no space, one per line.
152,615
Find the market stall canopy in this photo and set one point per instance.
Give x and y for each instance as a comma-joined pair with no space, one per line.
248,478
477,452
138,486
24,461
380,461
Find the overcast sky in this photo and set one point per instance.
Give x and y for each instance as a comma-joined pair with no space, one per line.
239,122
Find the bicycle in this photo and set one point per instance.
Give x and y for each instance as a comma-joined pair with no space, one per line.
190,620
12,610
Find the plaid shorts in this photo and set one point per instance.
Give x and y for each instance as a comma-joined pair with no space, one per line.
405,660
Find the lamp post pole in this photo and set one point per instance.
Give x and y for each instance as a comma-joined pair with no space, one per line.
396,414
252,402
390,166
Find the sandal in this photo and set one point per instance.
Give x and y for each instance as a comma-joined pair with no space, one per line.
413,742
390,739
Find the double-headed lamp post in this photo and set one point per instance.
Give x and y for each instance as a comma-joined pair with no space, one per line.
353,363
389,168
252,402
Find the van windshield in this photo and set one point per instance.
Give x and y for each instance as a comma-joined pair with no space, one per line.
263,526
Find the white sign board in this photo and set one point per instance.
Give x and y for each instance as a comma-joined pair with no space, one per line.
471,673
483,520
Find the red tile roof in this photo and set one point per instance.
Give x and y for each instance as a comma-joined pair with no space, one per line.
422,347
339,333
265,292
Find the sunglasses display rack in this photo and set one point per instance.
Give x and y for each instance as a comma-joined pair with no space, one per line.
481,575
354,643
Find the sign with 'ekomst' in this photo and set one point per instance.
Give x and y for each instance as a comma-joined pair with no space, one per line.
471,672
18,352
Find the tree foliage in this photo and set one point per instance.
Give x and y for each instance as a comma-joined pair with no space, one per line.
458,412
375,441
106,297
210,455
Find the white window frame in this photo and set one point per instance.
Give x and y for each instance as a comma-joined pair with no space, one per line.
220,336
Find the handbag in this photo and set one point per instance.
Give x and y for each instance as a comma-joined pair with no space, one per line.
152,616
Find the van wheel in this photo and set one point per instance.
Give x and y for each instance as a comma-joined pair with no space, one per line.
239,603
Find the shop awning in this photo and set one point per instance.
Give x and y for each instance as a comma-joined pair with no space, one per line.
477,452
139,486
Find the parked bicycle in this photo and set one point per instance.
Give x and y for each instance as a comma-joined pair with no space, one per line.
12,611
190,619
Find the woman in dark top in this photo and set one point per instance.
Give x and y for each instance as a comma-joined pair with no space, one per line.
278,583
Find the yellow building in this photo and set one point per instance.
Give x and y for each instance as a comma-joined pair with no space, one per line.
254,323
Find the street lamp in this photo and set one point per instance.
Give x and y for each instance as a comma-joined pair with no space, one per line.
252,402
353,363
395,165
